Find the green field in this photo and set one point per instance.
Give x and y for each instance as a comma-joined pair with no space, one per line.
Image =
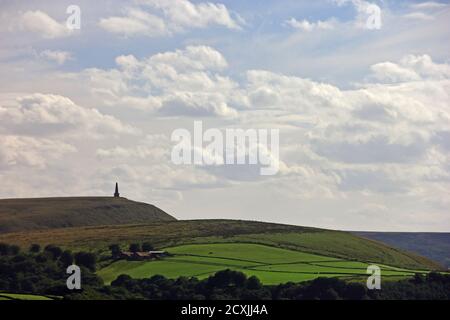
270,264
18,296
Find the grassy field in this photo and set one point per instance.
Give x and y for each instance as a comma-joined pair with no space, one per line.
17,296
321,242
48,213
270,264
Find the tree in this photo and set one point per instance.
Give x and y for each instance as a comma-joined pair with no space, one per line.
253,283
147,246
27,285
355,291
330,294
227,278
66,258
86,259
35,248
54,250
121,280
14,250
418,278
41,258
135,247
115,250
4,249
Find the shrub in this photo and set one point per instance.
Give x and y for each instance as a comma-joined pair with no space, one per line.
35,248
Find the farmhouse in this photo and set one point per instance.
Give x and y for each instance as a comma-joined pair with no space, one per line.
142,255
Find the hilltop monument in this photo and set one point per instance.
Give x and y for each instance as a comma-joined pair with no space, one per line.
116,192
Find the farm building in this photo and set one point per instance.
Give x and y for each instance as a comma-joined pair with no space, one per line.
142,255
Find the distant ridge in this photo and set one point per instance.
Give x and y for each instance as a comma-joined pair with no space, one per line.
433,245
61,212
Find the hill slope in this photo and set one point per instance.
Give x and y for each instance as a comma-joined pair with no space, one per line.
48,213
432,245
163,234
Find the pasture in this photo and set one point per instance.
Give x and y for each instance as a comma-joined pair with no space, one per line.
271,265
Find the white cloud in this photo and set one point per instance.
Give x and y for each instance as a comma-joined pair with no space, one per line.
197,104
154,148
185,14
375,139
160,176
428,5
29,151
392,72
41,23
418,16
136,22
411,68
44,114
191,58
180,82
425,11
58,56
168,17
306,25
348,137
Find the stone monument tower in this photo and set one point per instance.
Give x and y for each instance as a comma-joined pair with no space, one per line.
116,193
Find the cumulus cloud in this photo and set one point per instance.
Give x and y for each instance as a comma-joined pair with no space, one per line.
158,18
347,136
183,13
29,151
135,22
393,72
386,137
43,114
45,139
411,68
180,82
41,23
376,139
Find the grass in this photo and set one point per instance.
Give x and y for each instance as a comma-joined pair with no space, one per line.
342,245
19,296
337,244
47,213
270,264
255,253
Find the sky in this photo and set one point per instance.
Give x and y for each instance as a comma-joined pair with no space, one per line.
359,91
